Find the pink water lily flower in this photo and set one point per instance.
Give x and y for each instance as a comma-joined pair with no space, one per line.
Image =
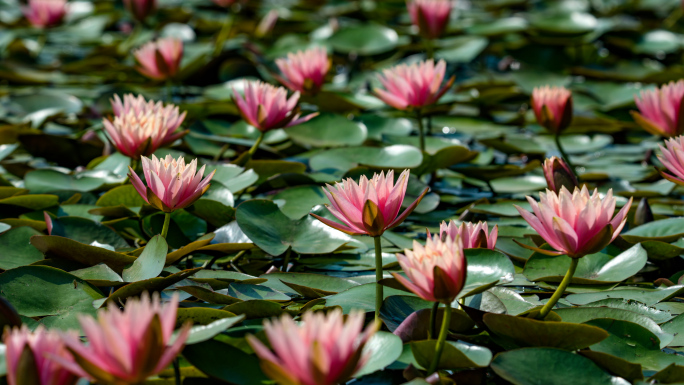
45,13
413,86
558,174
430,16
473,236
304,71
160,60
128,346
552,107
267,107
141,9
435,272
660,110
43,345
325,349
141,127
369,207
575,224
171,184
672,157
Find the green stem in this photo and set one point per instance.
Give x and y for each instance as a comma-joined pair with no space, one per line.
560,289
421,130
565,156
176,371
429,49
135,164
286,261
433,319
441,341
224,34
165,229
378,277
169,93
251,151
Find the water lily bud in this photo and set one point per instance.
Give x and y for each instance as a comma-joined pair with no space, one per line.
643,213
558,174
552,107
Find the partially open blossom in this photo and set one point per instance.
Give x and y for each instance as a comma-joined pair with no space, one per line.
141,9
558,174
304,71
473,236
267,107
171,184
128,346
430,16
45,13
413,86
141,127
369,207
160,60
552,107
322,350
435,272
660,110
31,354
672,157
575,224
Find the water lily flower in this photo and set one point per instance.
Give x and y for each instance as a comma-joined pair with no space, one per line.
370,207
304,71
322,350
435,272
45,13
160,60
672,157
473,236
660,110
552,107
558,174
141,9
128,346
30,358
413,86
141,127
430,16
171,184
575,224
267,107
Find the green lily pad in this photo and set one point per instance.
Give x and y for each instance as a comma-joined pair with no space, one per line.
383,349
368,39
150,263
328,130
486,268
16,249
344,159
664,230
456,355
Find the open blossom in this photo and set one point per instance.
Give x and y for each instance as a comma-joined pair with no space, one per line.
304,71
160,60
45,13
369,207
552,107
558,174
659,110
141,127
171,184
322,350
430,16
127,346
575,224
473,236
413,86
267,107
435,272
44,345
141,9
672,157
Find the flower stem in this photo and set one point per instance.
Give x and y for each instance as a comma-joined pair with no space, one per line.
441,341
433,319
561,288
176,371
421,130
165,229
429,49
251,151
563,153
378,277
286,260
